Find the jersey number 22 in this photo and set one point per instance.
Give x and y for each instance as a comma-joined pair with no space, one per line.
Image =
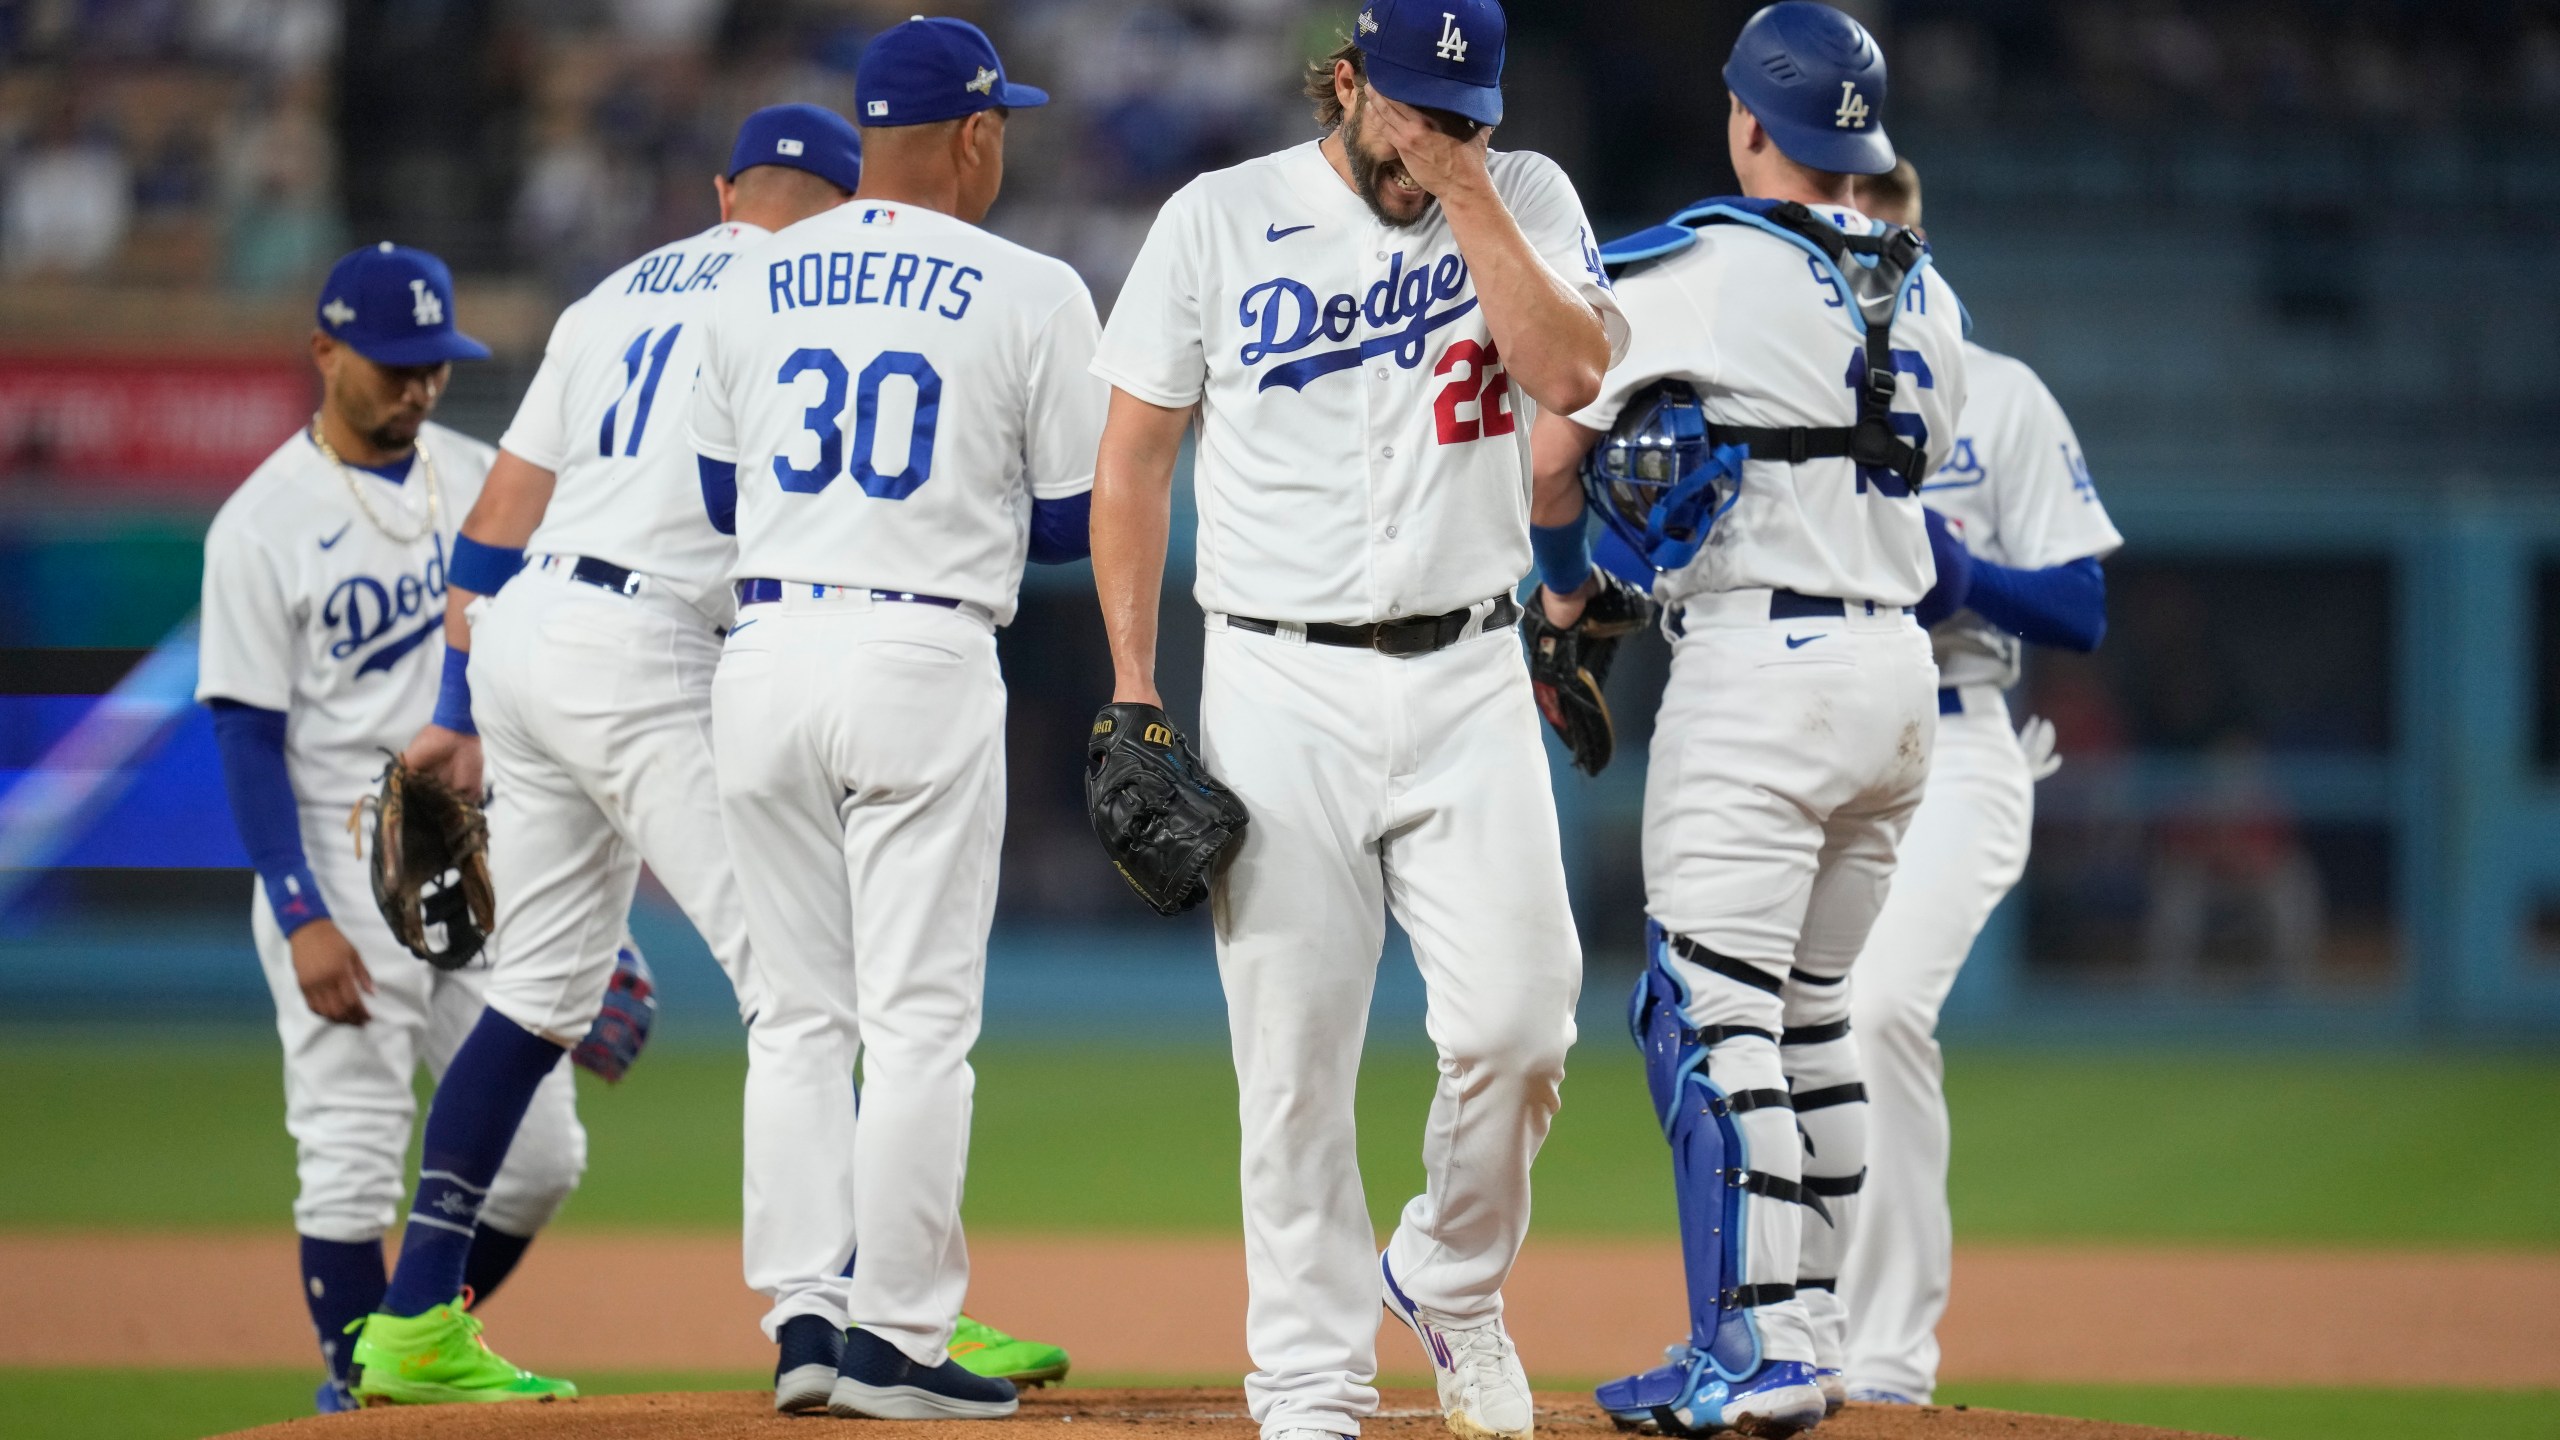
826,421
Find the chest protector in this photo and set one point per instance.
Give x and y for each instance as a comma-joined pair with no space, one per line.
1872,273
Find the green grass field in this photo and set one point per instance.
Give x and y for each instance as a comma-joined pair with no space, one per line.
162,1132
2406,1150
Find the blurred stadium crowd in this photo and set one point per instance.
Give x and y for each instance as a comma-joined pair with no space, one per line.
238,143
2267,252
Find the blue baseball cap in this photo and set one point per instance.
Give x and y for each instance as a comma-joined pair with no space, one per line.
934,69
800,137
1444,54
395,306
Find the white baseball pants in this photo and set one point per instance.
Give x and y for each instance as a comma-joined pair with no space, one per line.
594,710
1966,848
1787,760
861,749
1377,783
348,1101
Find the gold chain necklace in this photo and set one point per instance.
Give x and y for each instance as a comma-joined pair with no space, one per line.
427,468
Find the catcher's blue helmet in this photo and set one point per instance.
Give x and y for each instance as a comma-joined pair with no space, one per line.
1815,79
1656,477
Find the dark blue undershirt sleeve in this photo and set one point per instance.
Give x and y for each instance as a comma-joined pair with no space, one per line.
719,492
251,741
1062,530
2064,606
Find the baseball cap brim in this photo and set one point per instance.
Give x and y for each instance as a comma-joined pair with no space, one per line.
422,349
1021,97
1480,103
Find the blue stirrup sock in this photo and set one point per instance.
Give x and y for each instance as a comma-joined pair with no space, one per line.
482,1100
342,1282
494,1256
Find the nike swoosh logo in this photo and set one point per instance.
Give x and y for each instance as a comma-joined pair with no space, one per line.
1798,642
734,629
332,542
1274,232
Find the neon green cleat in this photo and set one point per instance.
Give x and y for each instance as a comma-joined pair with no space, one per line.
439,1359
982,1349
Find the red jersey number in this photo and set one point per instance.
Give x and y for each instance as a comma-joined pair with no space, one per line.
1477,400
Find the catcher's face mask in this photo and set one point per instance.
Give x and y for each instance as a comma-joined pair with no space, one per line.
1655,478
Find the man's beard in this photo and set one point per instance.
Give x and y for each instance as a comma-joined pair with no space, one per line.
395,434
1369,175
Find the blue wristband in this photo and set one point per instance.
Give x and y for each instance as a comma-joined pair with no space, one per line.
482,569
293,897
1564,554
453,700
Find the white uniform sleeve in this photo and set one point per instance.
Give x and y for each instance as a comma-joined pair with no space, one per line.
1155,345
1550,215
1064,421
1668,339
712,430
539,434
2049,512
245,642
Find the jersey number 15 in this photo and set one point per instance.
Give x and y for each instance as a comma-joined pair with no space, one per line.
826,421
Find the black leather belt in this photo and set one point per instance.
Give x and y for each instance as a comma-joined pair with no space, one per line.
604,575
1792,605
1406,635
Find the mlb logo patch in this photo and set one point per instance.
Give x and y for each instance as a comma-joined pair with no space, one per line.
876,108
880,215
788,147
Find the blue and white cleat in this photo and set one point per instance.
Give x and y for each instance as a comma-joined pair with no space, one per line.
876,1381
1878,1395
1484,1394
804,1373
1834,1387
1687,1397
333,1398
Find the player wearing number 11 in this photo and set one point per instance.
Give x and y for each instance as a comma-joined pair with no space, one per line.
894,412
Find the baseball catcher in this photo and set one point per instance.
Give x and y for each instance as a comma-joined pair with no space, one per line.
430,864
1569,663
1166,821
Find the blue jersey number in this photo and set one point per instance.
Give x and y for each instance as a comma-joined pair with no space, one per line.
631,363
826,421
1910,427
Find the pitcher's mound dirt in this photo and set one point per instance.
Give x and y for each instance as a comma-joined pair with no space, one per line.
1097,1415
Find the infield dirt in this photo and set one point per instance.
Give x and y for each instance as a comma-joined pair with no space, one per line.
1097,1415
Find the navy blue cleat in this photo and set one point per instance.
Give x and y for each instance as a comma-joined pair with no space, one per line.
804,1376
876,1381
1688,1397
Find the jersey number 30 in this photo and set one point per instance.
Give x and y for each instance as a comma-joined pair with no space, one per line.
826,421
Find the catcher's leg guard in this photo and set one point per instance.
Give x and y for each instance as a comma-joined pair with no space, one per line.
1716,1093
1820,1058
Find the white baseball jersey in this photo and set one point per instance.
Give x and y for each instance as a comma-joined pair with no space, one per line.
1362,453
2017,491
311,608
606,415
895,387
1759,327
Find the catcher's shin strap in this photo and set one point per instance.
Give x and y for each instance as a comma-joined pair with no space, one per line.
1740,971
1406,635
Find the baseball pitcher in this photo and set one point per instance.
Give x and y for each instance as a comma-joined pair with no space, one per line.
1794,377
2018,533
893,414
324,584
1363,329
